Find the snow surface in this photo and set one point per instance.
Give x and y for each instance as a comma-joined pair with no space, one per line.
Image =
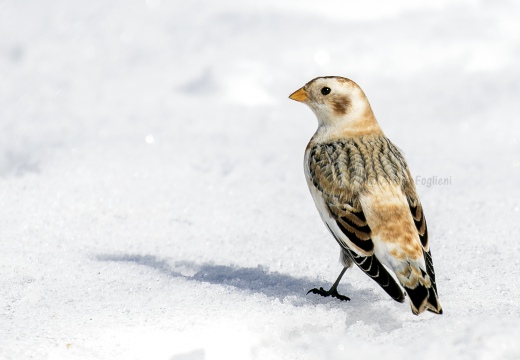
152,197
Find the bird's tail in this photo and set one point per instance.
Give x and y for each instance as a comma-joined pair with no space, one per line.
423,298
420,286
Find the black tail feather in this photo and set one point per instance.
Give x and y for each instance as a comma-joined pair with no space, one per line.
423,298
417,297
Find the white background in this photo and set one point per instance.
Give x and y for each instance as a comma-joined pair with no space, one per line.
152,197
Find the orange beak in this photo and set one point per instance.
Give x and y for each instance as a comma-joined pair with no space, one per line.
299,95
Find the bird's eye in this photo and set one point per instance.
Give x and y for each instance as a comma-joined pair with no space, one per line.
325,90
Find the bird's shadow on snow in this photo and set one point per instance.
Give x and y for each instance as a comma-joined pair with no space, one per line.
272,284
257,280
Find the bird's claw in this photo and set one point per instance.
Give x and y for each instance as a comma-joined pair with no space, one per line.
331,292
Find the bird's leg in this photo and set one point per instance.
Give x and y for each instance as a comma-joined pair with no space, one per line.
333,290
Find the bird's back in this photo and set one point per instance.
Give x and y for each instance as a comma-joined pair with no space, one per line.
365,194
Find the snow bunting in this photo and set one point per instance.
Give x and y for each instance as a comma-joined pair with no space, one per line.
365,194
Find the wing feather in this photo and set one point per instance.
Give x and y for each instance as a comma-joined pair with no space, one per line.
421,293
327,167
338,173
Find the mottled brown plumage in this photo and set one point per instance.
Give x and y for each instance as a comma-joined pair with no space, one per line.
365,193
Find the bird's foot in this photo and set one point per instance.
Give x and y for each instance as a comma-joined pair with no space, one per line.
332,292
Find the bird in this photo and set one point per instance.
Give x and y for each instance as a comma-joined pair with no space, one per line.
366,196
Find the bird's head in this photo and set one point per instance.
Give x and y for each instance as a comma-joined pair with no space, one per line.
338,103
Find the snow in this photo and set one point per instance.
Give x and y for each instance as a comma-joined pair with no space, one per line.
152,197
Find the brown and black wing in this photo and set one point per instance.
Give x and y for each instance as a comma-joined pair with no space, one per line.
360,249
421,292
333,176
